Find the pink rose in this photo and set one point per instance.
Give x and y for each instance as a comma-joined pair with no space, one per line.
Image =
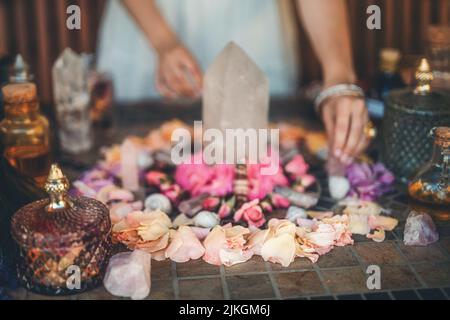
251,213
155,177
261,185
307,180
171,191
224,211
225,208
210,203
280,201
297,166
266,206
198,178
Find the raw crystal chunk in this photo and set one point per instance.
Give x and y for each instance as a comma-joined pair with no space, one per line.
304,200
236,92
128,275
419,230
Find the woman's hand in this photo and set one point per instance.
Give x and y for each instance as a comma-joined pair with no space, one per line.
345,119
178,74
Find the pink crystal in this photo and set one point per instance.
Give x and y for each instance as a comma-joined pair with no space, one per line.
419,230
129,170
128,275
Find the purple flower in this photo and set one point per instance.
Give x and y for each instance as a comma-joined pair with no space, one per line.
369,181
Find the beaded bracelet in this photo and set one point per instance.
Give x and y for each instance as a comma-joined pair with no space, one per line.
351,90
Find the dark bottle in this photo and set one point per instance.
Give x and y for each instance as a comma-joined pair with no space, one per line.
388,77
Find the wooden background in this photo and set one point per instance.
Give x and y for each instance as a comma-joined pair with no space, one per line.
36,29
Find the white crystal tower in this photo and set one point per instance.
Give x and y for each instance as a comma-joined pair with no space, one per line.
71,94
236,92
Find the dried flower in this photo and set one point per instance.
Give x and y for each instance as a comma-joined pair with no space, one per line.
251,213
368,182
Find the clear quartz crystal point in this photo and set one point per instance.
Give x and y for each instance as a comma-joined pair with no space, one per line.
71,94
236,92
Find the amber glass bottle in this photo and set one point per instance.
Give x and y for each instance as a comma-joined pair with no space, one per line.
25,132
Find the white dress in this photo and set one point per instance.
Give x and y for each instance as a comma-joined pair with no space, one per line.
204,27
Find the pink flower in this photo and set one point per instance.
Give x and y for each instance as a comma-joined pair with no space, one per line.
171,191
261,185
198,178
210,203
297,166
155,178
266,206
307,180
225,208
224,211
280,201
252,213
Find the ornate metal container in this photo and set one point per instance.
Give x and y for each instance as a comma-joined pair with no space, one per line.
64,241
409,117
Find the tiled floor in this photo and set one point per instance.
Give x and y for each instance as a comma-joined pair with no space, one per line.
406,272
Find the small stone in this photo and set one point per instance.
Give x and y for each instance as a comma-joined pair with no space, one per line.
304,200
338,186
158,201
191,206
295,212
128,275
145,160
420,230
206,219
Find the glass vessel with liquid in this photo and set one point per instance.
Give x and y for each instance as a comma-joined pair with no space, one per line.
432,182
25,132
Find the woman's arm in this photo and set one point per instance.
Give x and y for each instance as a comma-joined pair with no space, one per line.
178,72
326,23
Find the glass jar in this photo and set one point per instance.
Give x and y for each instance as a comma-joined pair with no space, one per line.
432,182
409,115
64,242
25,132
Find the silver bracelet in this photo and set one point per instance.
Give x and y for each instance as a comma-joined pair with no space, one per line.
344,89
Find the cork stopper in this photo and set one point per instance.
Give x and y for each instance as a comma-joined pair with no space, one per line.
389,58
441,136
438,34
57,186
19,92
424,77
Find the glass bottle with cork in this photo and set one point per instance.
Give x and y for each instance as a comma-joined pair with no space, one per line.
388,77
25,132
432,182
